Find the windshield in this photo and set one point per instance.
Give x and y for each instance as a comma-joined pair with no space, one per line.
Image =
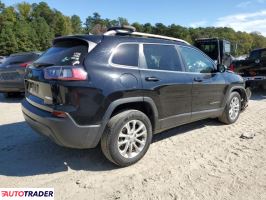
71,52
210,49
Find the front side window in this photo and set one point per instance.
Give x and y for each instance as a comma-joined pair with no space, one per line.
196,61
162,57
126,54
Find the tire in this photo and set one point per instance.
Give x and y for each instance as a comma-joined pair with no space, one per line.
249,92
227,116
117,129
8,94
12,94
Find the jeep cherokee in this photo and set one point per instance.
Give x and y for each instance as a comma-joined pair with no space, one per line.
122,87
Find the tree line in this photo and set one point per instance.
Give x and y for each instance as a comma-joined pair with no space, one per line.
32,27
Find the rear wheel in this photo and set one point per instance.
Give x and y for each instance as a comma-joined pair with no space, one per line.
127,137
232,109
8,94
248,92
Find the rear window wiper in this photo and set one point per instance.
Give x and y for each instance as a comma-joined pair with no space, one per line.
43,64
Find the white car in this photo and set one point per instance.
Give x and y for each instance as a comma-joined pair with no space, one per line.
2,59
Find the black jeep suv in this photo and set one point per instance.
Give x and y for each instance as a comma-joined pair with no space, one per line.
122,87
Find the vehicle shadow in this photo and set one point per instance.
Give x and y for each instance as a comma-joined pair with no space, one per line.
24,153
14,99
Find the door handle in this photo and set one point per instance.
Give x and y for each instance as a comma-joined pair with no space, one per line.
152,79
197,79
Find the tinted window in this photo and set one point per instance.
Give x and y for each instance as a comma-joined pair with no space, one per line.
209,48
263,54
162,57
126,54
71,52
254,55
196,61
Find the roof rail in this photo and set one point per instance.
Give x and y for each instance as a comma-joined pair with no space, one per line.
130,30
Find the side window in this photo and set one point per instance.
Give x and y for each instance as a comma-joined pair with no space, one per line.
126,54
195,61
263,55
254,55
162,57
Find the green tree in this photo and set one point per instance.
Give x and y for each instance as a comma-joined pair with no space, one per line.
76,24
44,35
24,10
8,43
25,36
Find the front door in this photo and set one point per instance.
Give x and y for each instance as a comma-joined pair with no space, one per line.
209,86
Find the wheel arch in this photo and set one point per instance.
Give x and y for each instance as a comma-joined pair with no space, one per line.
143,104
242,92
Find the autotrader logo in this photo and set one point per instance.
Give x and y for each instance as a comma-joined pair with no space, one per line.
26,193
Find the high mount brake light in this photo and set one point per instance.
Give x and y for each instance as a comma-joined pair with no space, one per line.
66,73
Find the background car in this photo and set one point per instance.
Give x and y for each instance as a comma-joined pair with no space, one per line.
12,72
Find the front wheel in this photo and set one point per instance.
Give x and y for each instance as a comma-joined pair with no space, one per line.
127,137
232,109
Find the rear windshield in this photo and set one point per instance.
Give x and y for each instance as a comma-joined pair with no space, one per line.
12,60
209,48
70,52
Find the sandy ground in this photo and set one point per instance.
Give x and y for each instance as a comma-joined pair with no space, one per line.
203,160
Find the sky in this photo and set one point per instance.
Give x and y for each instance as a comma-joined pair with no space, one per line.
241,15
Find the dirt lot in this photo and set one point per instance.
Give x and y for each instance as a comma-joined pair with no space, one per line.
203,160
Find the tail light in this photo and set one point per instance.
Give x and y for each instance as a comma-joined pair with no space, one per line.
66,73
59,114
232,68
24,64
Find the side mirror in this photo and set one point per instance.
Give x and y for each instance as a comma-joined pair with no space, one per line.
221,68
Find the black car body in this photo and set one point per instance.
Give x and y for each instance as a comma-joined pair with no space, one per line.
253,68
85,82
12,71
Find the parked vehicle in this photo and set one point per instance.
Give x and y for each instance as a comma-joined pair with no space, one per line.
220,51
2,59
12,72
253,68
217,49
121,88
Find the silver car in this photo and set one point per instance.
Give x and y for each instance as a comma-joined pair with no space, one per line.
12,72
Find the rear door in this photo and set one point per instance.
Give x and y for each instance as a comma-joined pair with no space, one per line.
208,88
165,81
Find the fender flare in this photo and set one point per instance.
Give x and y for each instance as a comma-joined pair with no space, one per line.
122,101
243,91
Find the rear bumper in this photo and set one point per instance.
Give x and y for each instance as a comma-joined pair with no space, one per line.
63,131
14,86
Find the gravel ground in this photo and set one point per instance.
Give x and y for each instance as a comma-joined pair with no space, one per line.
203,160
